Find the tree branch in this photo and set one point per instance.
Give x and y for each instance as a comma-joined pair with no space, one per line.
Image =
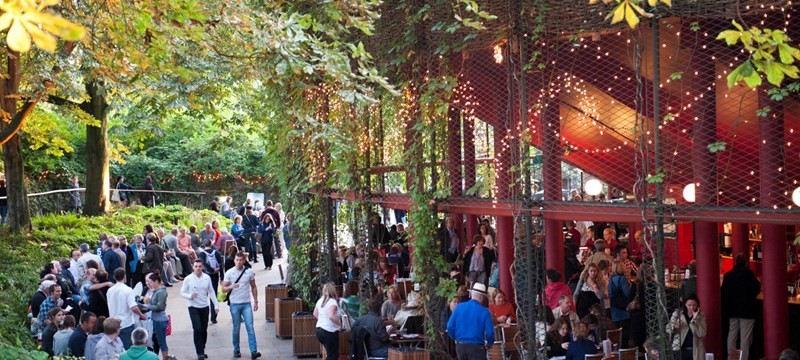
57,100
17,121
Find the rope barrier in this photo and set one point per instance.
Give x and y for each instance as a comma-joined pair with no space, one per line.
126,190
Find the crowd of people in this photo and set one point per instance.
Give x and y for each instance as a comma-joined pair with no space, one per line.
110,301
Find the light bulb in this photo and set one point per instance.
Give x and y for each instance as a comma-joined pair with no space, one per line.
688,192
593,187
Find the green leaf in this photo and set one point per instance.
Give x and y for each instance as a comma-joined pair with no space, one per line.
763,112
777,94
788,53
676,75
694,26
735,24
731,37
657,178
717,146
744,70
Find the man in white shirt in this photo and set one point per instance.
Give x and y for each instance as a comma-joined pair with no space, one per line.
197,289
241,282
75,268
88,255
122,305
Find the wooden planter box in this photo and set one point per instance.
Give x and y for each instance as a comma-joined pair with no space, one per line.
409,354
344,346
284,307
272,292
304,337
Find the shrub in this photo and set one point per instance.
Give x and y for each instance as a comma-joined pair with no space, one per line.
53,237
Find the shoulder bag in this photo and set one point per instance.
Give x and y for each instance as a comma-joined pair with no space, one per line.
228,294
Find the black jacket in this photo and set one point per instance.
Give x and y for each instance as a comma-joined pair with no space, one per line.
488,259
153,258
740,287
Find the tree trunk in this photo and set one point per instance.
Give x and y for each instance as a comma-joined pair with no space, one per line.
19,217
97,181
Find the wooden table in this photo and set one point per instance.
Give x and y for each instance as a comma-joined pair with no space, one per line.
407,340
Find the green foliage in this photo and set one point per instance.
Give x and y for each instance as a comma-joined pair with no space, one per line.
304,281
630,10
19,353
656,178
763,112
771,54
717,146
778,94
53,237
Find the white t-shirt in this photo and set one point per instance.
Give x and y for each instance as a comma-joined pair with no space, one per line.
242,294
120,301
324,321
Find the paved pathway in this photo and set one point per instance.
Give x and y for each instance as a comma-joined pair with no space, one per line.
220,345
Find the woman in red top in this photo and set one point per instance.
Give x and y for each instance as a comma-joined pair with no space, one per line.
215,227
387,271
503,311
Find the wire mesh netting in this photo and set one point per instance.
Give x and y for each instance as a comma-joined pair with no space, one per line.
559,129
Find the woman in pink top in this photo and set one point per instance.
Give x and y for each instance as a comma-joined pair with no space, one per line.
185,244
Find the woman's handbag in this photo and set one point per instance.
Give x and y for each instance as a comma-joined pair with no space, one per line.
169,325
115,196
344,316
634,304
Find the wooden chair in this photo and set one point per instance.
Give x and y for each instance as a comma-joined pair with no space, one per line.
629,354
595,356
612,356
497,352
734,354
615,336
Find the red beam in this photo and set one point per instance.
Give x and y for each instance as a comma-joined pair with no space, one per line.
585,210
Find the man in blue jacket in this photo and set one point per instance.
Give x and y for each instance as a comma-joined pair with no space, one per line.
111,260
471,326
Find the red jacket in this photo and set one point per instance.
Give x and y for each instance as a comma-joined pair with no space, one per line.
553,292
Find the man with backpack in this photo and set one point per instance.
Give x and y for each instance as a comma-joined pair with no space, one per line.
212,261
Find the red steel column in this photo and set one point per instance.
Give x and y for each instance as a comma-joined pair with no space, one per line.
773,239
740,239
704,162
505,224
467,128
551,183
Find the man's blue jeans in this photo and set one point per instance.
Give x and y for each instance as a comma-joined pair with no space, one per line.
239,311
126,334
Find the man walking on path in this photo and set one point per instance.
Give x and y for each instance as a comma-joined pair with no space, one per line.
740,287
197,289
240,282
471,326
122,305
